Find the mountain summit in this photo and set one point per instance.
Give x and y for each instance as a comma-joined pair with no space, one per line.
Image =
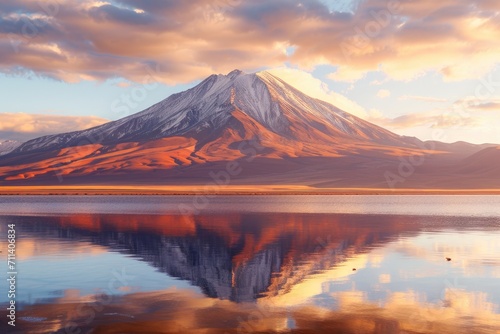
257,104
190,133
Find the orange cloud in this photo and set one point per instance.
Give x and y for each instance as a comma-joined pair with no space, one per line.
22,126
186,40
475,104
428,119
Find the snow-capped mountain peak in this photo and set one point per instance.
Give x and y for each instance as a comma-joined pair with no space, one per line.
235,73
209,106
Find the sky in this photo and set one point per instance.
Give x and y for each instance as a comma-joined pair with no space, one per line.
422,68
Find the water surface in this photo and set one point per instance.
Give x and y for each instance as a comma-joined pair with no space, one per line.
315,264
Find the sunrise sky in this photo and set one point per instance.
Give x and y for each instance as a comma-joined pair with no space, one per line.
422,68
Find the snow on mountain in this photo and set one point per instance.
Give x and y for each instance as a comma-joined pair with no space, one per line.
209,107
7,146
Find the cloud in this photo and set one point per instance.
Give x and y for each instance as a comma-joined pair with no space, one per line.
488,106
347,74
22,126
422,98
123,84
439,120
187,40
475,104
107,12
314,87
378,82
383,93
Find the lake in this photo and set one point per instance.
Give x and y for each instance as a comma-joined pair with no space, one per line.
246,264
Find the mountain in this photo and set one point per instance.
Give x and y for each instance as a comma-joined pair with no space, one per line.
239,105
486,162
273,133
7,146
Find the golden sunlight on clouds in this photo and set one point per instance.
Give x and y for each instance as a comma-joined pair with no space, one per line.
190,40
177,42
348,74
185,311
434,119
86,5
34,125
304,290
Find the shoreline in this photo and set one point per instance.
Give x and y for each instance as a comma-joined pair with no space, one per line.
224,191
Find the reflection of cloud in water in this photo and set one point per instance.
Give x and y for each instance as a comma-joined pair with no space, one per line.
376,257
183,311
473,253
465,249
313,285
268,272
495,272
384,278
33,247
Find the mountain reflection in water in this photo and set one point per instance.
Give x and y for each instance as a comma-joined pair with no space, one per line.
321,272
235,257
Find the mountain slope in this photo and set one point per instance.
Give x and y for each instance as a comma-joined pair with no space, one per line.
275,133
7,146
208,107
486,161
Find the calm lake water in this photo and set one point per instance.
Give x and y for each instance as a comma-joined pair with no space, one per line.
245,264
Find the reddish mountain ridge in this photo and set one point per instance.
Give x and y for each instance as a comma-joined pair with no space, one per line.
275,133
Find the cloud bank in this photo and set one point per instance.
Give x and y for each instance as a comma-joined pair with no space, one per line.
22,126
181,41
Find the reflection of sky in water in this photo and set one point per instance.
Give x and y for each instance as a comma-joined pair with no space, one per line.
416,268
84,271
282,261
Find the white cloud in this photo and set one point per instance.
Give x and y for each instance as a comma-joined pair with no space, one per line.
422,98
379,82
347,74
430,119
383,93
471,103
